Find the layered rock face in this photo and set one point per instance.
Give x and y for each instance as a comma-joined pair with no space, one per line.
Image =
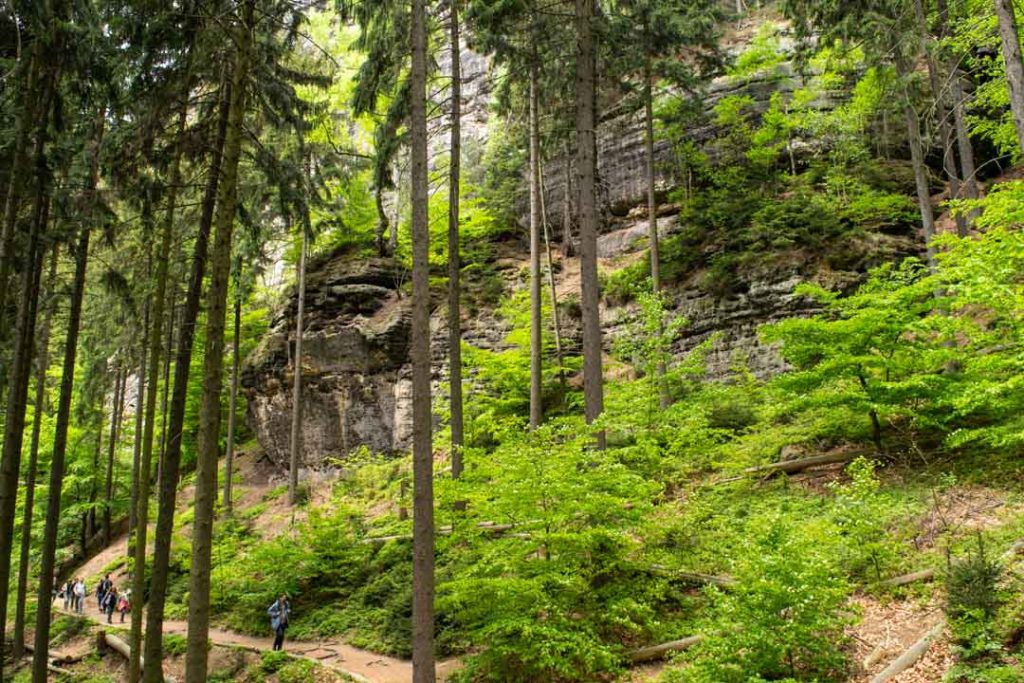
356,384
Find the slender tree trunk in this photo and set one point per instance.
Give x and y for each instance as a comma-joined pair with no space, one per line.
567,250
20,374
296,440
536,315
422,449
42,364
40,656
90,518
941,103
115,431
209,422
155,340
454,260
380,236
652,216
172,317
555,326
20,169
229,457
586,162
140,397
924,199
171,462
1014,65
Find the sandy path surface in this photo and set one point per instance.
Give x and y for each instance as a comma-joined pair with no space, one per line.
332,654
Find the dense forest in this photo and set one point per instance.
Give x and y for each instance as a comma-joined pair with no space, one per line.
512,340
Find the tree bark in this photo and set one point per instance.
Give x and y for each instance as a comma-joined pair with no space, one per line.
20,374
42,364
40,657
171,462
454,260
196,655
536,314
567,250
140,391
652,217
146,459
941,103
1014,64
555,326
422,454
229,456
586,162
924,199
296,440
115,431
20,169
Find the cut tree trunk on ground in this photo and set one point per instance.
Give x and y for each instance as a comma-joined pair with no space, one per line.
912,655
801,464
913,577
656,652
106,641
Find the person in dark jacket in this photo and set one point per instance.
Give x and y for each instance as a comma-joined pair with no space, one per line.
279,613
109,603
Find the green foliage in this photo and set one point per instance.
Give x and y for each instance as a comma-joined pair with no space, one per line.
273,661
868,551
296,671
175,645
783,621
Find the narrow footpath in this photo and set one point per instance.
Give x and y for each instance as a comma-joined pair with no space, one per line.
361,665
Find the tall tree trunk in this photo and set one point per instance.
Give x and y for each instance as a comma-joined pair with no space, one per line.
40,656
165,398
229,456
149,427
171,461
567,250
422,449
941,103
90,518
1014,65
555,326
20,170
968,169
652,214
296,440
536,315
115,431
586,162
140,397
42,364
20,374
924,200
380,235
454,258
209,422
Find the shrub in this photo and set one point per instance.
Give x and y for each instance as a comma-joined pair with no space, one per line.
273,661
784,619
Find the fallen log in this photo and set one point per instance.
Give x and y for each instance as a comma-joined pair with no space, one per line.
912,655
656,652
913,577
106,640
801,464
695,578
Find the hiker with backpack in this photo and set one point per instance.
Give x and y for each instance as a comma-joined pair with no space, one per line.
279,613
109,604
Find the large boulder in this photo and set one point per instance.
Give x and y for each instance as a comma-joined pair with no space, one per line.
354,364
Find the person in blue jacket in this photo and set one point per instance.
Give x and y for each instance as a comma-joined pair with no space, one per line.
279,613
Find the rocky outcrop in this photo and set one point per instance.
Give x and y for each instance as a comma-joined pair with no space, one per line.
354,365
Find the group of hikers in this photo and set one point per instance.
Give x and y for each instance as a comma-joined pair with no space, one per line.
108,598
